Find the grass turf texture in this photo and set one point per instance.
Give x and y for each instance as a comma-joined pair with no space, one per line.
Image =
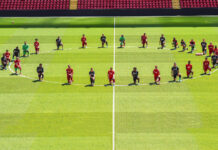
47,116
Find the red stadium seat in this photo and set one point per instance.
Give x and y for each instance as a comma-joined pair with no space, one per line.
34,4
123,4
199,3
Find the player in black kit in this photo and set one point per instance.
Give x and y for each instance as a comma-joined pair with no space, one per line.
16,52
214,60
40,71
59,43
162,41
103,40
175,72
135,75
204,47
92,76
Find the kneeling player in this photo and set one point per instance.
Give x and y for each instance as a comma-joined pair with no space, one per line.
40,71
192,45
189,69
16,52
162,41
17,65
135,75
59,43
36,45
214,60
103,40
204,47
8,58
206,66
69,71
175,72
144,40
183,44
175,43
111,78
122,41
216,51
156,73
4,62
92,76
25,49
83,40
211,49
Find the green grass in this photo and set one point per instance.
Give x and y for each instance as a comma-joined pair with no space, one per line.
49,116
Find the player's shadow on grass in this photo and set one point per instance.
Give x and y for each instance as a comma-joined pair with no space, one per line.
65,84
35,81
120,47
160,48
172,49
152,83
190,52
107,85
172,81
13,74
203,74
141,47
88,85
132,84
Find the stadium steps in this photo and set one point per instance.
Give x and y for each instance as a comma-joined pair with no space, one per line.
176,4
73,4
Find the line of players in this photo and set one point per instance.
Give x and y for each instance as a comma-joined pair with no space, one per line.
16,53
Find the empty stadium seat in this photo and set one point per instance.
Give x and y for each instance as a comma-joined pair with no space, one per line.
34,4
123,4
199,3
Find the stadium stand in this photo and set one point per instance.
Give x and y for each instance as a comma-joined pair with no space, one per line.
199,3
124,4
34,4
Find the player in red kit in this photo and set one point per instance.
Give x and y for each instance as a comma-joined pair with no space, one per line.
189,69
175,43
211,49
206,66
17,65
111,78
192,45
7,55
69,71
144,40
156,73
83,40
36,45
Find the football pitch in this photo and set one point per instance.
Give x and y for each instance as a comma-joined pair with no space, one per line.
50,115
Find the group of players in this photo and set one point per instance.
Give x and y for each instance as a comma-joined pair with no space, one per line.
6,59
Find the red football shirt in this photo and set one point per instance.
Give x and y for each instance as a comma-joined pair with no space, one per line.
36,44
69,71
206,63
111,73
144,38
211,47
156,72
7,54
188,67
17,63
83,39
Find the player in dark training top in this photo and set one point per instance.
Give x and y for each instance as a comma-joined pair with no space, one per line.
135,75
183,44
175,72
4,62
59,43
16,52
204,47
104,40
214,60
162,41
40,71
92,76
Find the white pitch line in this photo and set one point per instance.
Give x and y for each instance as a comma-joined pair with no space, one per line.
114,65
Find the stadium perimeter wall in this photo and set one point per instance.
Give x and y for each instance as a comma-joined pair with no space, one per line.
116,12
